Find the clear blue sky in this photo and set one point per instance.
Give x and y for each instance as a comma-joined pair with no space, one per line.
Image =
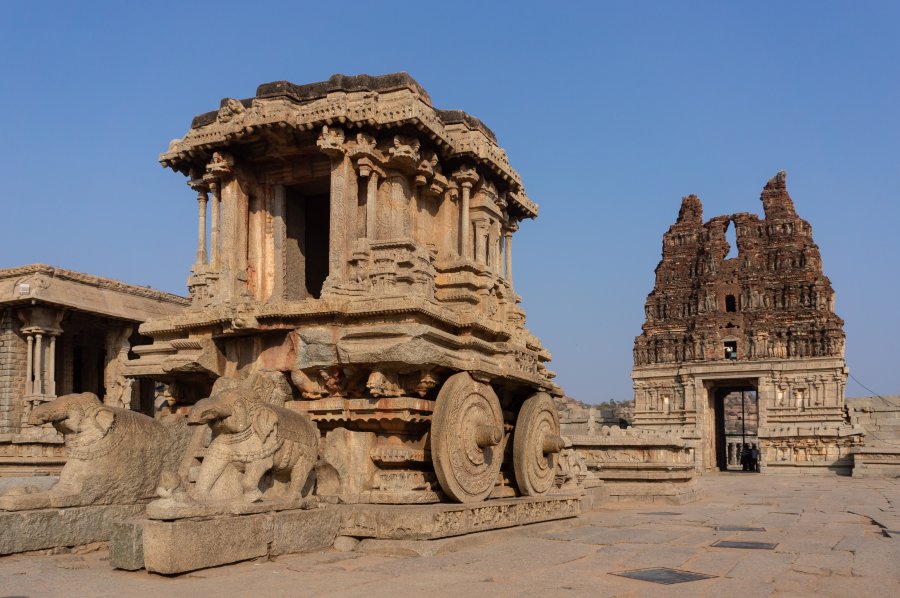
610,110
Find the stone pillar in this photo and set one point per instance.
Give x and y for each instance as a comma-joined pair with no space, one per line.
331,142
494,237
242,230
228,230
481,232
765,398
371,205
38,388
341,170
465,225
220,178
40,375
256,244
690,394
215,211
201,227
279,214
508,231
29,366
465,177
51,367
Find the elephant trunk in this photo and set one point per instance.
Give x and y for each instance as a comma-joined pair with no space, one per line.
53,411
208,410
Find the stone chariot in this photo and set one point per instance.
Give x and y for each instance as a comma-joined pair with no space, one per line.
354,264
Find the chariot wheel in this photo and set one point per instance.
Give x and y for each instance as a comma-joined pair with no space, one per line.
536,444
467,438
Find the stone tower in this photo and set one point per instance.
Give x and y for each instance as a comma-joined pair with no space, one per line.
762,323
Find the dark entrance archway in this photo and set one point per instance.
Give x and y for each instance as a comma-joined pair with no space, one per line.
736,406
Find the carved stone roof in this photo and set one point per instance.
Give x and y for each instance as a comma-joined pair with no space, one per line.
772,300
392,100
85,292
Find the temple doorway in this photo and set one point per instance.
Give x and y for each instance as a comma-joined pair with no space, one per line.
737,422
732,444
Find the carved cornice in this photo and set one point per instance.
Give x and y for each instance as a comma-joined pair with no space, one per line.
350,105
94,281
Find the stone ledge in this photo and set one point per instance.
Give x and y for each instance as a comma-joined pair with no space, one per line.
172,547
423,522
22,531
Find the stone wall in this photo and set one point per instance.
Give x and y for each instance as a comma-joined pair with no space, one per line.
578,418
636,465
12,372
880,418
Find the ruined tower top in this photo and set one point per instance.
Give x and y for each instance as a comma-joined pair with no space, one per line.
691,212
776,201
770,302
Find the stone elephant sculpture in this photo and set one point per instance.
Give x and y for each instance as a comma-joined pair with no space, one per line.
114,456
255,437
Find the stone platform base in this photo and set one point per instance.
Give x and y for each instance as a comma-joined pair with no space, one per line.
875,462
30,454
843,467
673,493
428,522
22,531
171,547
182,545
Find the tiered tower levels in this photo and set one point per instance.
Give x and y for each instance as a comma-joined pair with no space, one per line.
771,301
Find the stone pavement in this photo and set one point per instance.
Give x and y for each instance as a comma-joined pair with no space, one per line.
828,544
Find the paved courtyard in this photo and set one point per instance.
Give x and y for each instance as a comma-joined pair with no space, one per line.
826,532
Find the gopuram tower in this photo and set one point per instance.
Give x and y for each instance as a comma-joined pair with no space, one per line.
747,350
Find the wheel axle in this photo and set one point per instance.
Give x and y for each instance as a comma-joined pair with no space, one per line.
487,435
552,444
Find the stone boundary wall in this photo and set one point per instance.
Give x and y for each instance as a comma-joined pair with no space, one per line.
12,372
880,418
637,465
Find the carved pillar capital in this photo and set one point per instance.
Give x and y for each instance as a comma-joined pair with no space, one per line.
212,183
199,184
466,177
331,142
41,320
220,165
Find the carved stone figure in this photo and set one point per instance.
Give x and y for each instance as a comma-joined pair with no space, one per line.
256,437
115,456
571,470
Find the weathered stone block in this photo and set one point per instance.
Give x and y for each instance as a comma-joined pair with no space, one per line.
303,531
126,544
179,546
21,531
